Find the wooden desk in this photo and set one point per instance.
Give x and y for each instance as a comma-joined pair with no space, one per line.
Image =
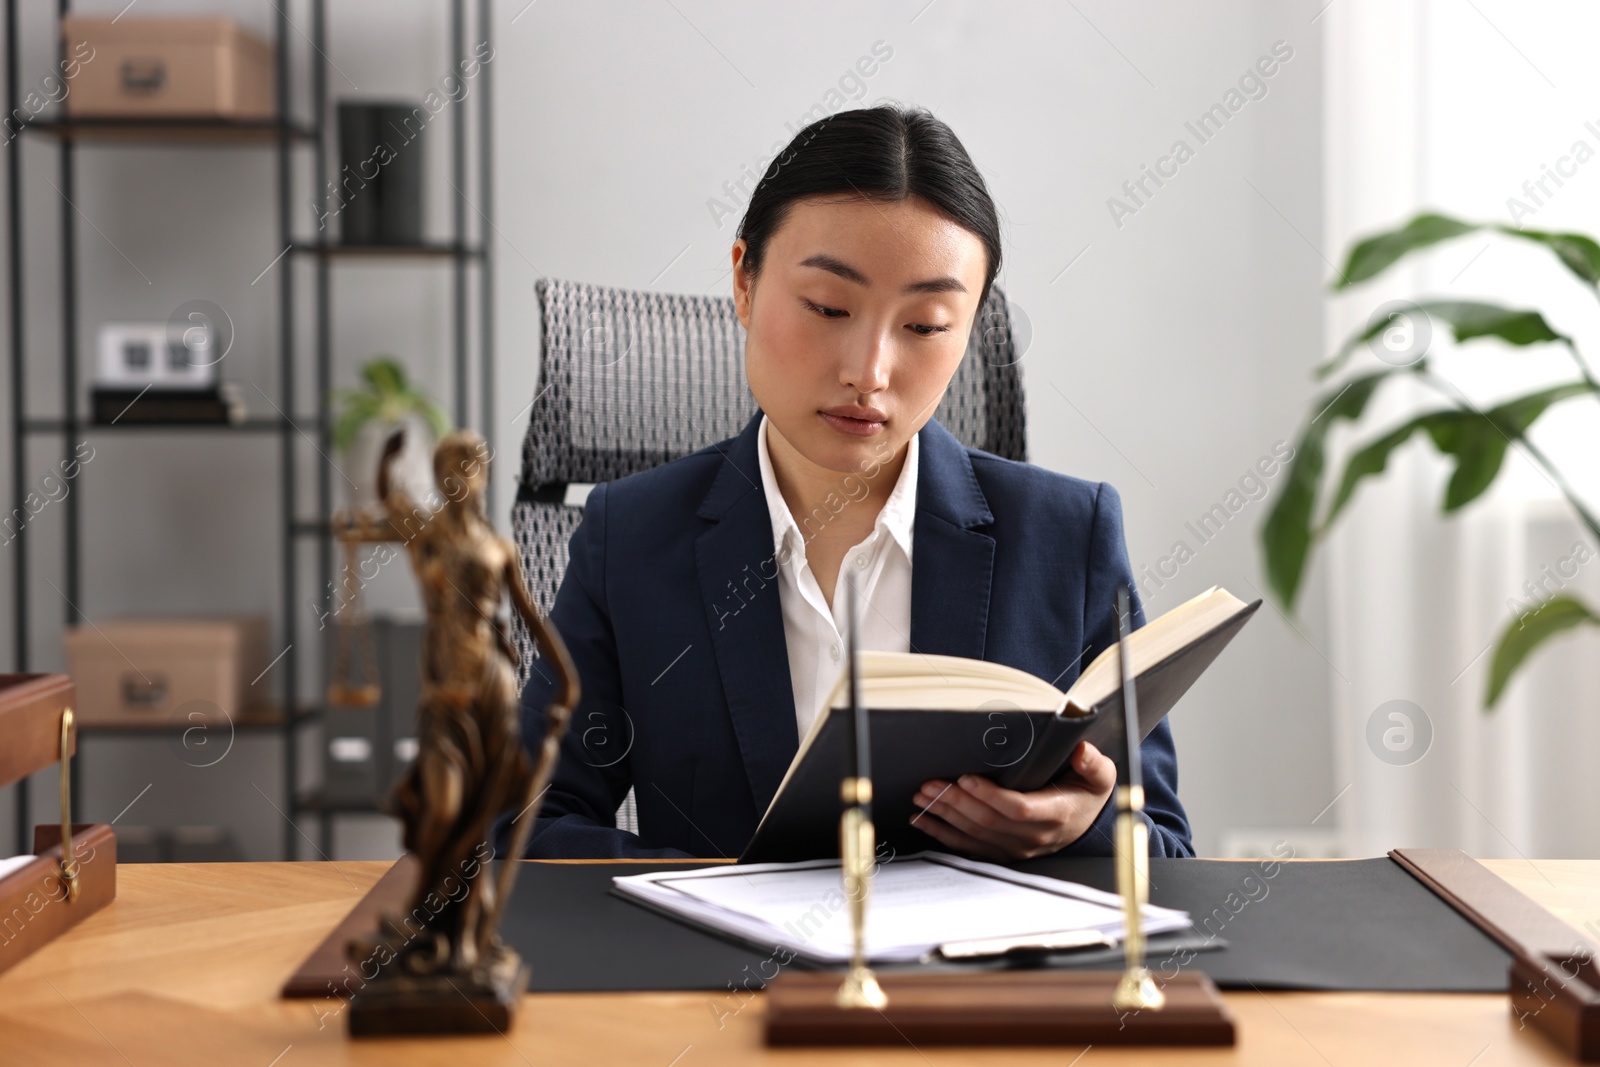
184,968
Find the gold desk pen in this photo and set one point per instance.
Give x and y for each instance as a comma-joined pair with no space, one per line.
1136,990
857,839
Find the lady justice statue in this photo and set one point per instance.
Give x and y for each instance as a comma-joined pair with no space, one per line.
441,966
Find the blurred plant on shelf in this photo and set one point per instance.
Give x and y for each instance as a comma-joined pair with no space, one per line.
368,416
1474,439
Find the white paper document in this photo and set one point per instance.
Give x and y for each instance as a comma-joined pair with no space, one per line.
916,904
14,863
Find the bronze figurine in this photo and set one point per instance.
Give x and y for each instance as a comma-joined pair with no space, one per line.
442,966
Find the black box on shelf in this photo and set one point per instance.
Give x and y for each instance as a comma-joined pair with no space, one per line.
366,748
379,191
141,844
349,759
181,844
400,663
145,407
349,733
203,844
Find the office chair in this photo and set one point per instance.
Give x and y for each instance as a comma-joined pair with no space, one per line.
629,380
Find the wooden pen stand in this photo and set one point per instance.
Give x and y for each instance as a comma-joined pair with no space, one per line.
1026,1007
44,897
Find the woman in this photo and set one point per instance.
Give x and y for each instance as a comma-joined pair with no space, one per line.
703,601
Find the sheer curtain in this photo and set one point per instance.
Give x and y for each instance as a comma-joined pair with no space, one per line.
1452,108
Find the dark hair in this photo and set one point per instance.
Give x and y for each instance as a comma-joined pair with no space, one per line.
883,153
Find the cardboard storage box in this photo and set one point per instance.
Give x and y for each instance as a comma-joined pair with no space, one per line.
150,671
169,68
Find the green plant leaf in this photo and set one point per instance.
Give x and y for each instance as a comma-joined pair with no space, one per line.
1526,633
1373,255
1477,441
1467,319
434,414
385,375
1376,254
1479,447
386,396
1371,459
1479,444
1516,416
1577,252
358,409
1286,535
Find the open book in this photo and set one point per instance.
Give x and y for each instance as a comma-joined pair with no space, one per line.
946,716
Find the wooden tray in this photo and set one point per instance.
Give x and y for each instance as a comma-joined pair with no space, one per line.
34,909
35,906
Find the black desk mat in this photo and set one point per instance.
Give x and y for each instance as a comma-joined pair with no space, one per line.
1329,925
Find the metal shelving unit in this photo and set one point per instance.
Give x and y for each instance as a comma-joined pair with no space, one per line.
466,255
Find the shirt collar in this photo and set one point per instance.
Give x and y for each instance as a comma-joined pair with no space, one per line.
896,516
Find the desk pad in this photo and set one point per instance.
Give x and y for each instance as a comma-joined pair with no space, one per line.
1311,925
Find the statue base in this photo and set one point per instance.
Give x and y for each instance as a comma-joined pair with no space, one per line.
479,1001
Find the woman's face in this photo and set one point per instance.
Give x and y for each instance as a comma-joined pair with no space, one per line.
857,321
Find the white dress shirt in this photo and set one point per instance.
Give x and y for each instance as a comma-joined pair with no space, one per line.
816,634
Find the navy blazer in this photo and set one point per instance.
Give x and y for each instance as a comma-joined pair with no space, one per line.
670,609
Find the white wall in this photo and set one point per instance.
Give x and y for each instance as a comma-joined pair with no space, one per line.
1168,358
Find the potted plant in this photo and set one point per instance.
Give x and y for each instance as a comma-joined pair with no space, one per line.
366,418
1475,439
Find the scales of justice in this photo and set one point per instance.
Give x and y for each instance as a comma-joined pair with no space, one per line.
1025,1006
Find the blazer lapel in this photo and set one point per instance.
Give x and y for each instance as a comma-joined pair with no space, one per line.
952,569
952,565
739,588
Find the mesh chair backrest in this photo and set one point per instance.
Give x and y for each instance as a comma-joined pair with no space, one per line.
629,380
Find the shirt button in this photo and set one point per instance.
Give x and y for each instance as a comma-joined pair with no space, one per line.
834,652
861,561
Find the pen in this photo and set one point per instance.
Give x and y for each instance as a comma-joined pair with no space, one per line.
857,839
860,744
1134,775
1136,989
1061,941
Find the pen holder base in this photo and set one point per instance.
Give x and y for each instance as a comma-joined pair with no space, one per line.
995,1008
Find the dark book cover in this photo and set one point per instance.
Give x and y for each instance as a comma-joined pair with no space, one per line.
1021,750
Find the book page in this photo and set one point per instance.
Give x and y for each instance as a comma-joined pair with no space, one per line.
1153,643
928,682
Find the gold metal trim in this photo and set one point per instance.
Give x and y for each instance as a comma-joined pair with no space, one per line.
1136,990
854,791
69,862
857,848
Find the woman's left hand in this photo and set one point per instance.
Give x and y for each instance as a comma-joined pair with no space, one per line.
975,816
